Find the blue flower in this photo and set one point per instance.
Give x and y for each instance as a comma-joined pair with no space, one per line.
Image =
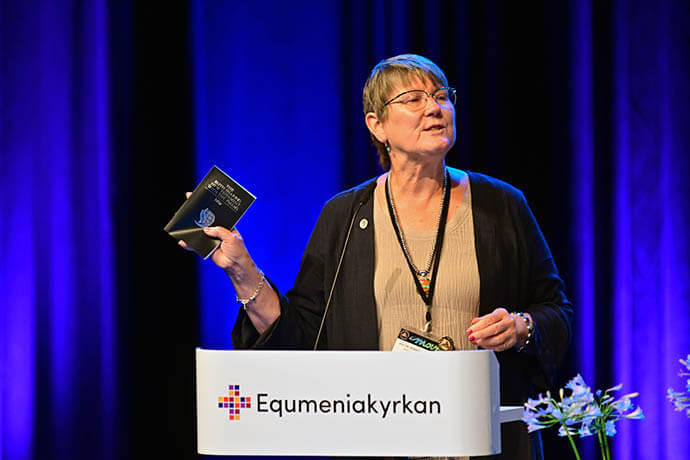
585,430
618,387
636,414
685,363
591,413
532,427
575,383
610,428
580,392
581,412
548,410
622,405
563,432
531,418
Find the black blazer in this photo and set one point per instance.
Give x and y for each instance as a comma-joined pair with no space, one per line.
516,271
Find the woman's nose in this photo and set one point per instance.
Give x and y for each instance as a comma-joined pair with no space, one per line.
432,105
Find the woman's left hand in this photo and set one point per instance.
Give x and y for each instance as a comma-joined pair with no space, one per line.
497,331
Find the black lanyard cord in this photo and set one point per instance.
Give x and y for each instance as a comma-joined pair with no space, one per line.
427,297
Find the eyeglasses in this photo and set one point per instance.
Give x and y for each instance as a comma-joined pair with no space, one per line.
416,99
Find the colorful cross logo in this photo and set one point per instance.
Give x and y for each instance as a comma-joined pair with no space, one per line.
234,402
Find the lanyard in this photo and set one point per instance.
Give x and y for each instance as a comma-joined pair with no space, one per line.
426,294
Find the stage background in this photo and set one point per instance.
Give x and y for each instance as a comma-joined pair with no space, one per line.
110,111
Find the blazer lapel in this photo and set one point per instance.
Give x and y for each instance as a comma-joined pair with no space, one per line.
488,259
353,321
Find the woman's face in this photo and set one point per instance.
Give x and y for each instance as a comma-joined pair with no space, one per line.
425,133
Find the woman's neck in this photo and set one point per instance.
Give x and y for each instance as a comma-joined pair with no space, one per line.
417,181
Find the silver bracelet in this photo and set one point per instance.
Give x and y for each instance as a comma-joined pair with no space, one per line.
244,302
530,328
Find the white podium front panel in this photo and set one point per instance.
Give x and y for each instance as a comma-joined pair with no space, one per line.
348,403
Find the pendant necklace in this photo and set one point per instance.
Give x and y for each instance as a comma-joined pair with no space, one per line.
425,280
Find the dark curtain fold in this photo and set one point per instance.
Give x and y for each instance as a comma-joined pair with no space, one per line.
153,161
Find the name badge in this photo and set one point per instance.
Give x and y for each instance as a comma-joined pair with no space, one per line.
411,339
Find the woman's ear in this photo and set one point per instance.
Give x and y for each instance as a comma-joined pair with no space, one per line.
375,127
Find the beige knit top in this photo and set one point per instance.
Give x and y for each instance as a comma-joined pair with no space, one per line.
456,296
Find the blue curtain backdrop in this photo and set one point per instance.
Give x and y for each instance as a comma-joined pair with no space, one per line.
57,337
269,114
651,162
630,157
110,111
619,132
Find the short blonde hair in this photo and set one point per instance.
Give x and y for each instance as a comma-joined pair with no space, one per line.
384,77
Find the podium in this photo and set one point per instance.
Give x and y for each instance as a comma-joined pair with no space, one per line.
349,403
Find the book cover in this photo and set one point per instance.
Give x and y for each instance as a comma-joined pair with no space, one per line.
218,201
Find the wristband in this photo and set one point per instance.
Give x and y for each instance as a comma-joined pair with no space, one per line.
530,328
244,302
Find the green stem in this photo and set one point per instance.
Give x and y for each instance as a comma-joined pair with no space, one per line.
601,445
606,443
572,442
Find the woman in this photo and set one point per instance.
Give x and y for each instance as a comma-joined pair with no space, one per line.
432,247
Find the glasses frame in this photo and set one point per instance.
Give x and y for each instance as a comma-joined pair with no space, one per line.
451,91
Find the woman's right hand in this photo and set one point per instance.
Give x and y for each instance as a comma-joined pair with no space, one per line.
232,256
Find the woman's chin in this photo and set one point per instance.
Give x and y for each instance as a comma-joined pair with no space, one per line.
439,149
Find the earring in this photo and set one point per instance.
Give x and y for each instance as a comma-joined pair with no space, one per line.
388,148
